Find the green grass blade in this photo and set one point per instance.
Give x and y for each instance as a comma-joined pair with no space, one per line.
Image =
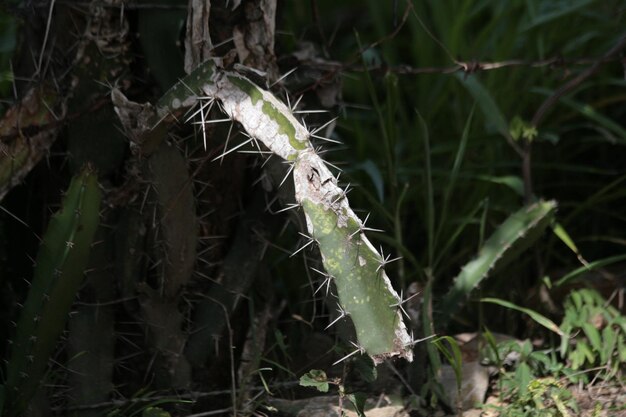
454,173
539,318
588,268
487,104
430,198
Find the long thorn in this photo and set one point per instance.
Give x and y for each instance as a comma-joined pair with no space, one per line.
358,349
232,150
285,75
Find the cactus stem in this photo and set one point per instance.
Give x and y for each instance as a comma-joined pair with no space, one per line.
342,194
359,349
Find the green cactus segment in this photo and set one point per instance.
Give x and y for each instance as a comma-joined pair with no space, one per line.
184,93
512,237
59,272
355,267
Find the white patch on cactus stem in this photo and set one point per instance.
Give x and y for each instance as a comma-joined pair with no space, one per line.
262,115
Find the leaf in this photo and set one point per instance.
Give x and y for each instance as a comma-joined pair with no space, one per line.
523,376
609,340
454,173
590,113
365,369
586,351
487,105
590,267
593,335
555,10
519,129
358,401
539,318
154,412
315,378
377,179
514,182
453,356
562,234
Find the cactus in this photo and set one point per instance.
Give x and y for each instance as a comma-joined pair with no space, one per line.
364,290
167,171
89,343
59,272
515,235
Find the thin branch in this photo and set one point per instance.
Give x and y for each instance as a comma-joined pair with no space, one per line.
575,82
